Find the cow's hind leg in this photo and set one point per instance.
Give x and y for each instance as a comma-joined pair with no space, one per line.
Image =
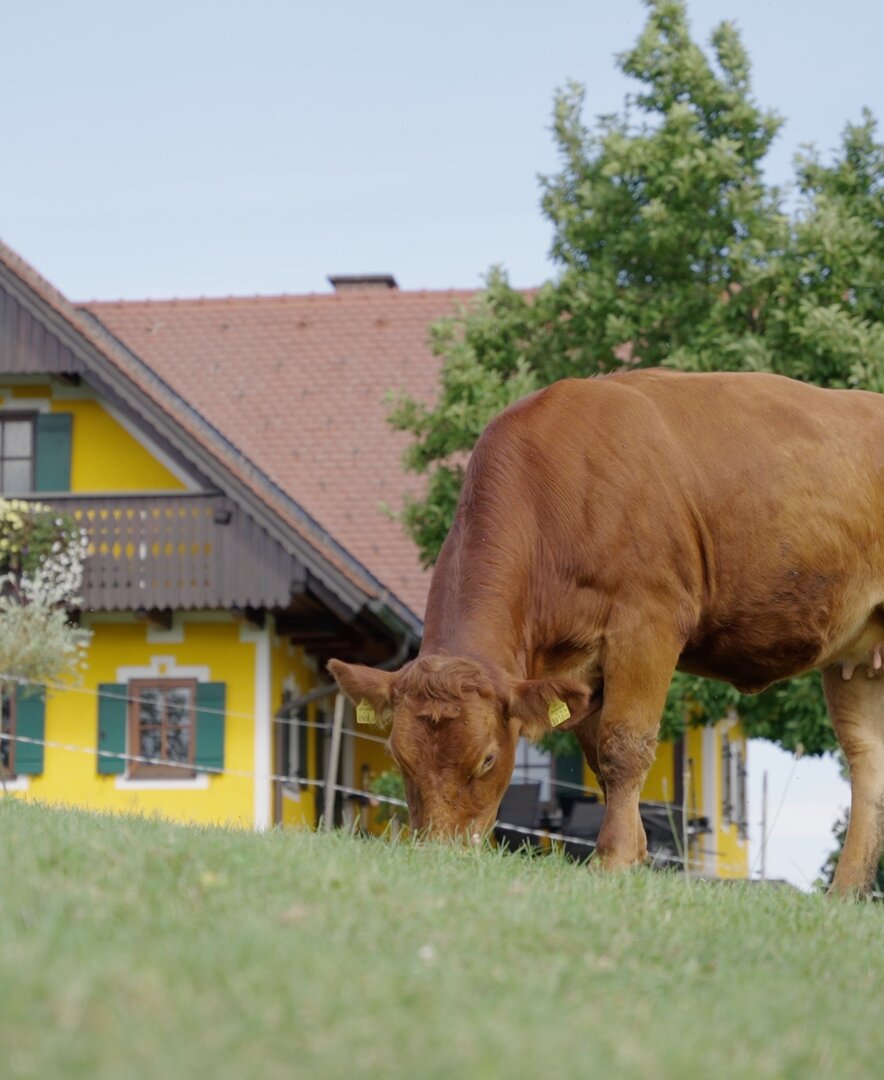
637,676
856,706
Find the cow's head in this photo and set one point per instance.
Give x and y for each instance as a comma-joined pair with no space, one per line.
454,728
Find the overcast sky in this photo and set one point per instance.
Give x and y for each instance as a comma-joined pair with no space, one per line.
191,148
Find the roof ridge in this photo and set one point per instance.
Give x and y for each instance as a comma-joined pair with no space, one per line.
353,296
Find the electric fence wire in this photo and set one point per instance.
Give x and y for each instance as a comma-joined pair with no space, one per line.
287,721
550,835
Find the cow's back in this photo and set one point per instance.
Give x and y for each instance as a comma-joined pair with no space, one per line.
754,502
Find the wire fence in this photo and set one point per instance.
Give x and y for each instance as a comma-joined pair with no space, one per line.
692,862
286,721
554,837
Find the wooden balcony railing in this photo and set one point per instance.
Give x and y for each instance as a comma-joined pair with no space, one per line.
170,550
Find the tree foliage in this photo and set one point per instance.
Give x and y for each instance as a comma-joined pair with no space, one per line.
672,249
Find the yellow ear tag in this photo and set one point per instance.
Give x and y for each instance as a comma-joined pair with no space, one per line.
365,714
558,712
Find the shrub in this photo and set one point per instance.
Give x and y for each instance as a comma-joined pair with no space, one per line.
41,571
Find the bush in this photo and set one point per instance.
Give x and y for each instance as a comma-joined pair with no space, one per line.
41,570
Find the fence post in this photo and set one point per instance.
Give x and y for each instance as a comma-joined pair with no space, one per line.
334,754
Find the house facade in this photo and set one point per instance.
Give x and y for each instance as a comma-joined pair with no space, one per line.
232,466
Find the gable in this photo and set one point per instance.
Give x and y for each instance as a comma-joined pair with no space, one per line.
27,345
257,548
107,452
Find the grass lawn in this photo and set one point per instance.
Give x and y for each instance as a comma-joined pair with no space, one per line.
133,948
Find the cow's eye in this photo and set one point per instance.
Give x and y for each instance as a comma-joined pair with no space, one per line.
487,763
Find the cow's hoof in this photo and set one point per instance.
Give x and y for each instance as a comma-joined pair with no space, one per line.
610,862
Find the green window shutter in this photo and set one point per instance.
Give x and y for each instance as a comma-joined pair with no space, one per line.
112,715
53,465
210,703
30,721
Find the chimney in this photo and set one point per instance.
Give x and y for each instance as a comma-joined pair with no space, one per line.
362,282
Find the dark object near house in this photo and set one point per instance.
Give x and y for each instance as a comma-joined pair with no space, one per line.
520,806
583,824
663,827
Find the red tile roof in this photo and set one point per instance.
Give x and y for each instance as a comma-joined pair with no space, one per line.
299,385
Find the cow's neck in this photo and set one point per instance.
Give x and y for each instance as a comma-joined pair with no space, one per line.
477,606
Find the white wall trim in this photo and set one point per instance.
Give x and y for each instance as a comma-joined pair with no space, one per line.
25,404
190,783
164,667
261,639
20,783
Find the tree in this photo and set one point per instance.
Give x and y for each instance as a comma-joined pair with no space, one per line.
673,250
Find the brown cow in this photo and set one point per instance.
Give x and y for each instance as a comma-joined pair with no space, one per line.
613,529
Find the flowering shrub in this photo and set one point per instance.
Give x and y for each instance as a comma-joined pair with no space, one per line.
41,570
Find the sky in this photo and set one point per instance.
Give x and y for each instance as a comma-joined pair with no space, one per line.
189,148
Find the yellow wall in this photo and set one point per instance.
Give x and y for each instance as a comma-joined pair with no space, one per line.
72,778
732,851
659,783
104,455
297,807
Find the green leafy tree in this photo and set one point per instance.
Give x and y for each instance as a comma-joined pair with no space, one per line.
673,250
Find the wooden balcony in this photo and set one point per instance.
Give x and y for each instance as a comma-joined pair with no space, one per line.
160,551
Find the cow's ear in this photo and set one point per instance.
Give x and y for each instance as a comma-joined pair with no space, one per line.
370,691
542,705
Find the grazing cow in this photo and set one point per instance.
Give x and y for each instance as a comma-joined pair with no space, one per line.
613,529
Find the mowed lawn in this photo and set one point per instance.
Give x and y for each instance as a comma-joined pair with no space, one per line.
133,948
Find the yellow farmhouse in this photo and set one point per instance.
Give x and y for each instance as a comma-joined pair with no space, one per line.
231,463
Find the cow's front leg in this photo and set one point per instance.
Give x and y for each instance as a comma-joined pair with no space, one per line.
636,682
856,706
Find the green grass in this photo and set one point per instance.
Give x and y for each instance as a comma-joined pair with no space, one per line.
133,948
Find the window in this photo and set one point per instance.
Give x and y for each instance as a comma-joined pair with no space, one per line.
7,744
169,720
292,736
727,791
734,803
162,728
16,454
742,798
